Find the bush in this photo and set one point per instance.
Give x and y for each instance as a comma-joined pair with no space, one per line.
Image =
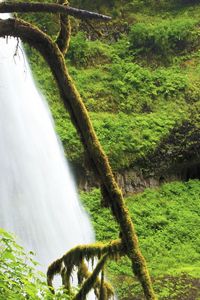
126,138
19,279
165,38
83,52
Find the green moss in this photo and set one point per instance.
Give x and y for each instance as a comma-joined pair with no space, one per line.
76,258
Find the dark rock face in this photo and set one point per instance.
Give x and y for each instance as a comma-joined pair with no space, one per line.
179,151
177,157
130,181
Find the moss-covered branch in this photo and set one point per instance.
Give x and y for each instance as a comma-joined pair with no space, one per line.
11,7
81,120
75,256
63,38
91,280
101,286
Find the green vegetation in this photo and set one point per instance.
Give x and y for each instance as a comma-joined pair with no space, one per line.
137,86
18,276
164,39
167,221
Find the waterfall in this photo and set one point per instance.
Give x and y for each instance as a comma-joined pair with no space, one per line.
38,199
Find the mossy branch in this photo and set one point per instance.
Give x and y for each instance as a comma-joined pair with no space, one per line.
63,37
80,118
11,7
75,256
99,285
89,283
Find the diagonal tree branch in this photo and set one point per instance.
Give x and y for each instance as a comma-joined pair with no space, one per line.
102,289
12,7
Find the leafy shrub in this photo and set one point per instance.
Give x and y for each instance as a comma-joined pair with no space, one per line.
128,87
83,52
165,38
19,279
166,82
127,137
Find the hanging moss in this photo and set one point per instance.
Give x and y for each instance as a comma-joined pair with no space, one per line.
55,269
75,258
90,282
98,283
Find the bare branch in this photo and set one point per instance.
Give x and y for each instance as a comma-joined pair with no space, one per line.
12,7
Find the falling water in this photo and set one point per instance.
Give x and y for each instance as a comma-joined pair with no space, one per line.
38,200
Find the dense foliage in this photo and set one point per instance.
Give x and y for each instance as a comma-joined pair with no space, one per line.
137,86
164,39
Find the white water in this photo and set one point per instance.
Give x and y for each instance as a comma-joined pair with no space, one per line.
38,200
